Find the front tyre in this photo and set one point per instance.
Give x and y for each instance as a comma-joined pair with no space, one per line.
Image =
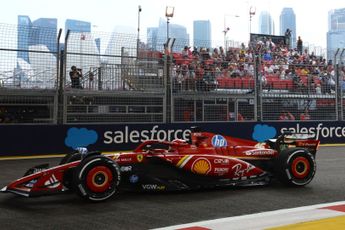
97,178
295,167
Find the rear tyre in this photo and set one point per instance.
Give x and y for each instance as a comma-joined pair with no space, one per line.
295,167
96,178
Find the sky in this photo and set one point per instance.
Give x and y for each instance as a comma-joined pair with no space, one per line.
105,15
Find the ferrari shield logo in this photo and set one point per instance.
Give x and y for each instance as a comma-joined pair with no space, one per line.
140,158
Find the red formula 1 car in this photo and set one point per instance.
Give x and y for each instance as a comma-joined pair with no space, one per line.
207,160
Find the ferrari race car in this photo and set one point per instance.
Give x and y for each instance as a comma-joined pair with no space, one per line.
206,160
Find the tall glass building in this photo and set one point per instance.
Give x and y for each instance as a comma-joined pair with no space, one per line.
336,32
39,36
42,31
23,36
202,33
159,37
266,24
288,21
77,26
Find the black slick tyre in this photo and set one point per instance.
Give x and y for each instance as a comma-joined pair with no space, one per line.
96,178
295,167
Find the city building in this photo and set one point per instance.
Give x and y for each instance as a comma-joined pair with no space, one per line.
159,37
202,33
36,41
336,32
77,26
42,31
288,21
152,36
266,23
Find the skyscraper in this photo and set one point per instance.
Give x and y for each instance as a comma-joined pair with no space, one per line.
336,32
159,37
23,36
266,24
36,41
77,26
42,31
152,37
288,21
202,33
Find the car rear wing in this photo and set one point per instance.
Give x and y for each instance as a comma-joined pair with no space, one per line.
289,139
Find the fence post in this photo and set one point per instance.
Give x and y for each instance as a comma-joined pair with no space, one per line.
340,87
99,72
258,86
57,82
167,82
62,104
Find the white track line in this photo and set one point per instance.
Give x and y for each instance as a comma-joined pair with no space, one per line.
267,219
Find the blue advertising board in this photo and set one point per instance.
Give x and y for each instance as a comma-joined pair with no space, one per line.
58,139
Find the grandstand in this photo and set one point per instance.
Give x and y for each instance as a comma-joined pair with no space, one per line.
128,82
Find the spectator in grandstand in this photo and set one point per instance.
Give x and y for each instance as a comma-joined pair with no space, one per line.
305,115
327,82
288,38
267,55
285,116
76,75
186,53
231,116
204,54
240,117
91,82
195,51
222,53
318,89
269,68
299,45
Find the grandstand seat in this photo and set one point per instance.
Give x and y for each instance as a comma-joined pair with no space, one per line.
221,82
283,84
248,83
272,77
238,83
230,83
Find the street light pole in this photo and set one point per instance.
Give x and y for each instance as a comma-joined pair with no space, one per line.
252,11
169,13
138,38
227,29
167,28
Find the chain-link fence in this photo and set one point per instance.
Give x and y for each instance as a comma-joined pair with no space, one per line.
96,77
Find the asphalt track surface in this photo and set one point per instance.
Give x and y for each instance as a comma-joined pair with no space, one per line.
154,210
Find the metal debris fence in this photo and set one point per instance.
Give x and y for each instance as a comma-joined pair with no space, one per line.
126,80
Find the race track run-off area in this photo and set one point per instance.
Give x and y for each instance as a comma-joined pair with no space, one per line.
263,207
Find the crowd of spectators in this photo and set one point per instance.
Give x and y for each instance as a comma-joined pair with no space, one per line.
281,67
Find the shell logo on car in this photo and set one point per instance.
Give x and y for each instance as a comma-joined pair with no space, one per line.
201,166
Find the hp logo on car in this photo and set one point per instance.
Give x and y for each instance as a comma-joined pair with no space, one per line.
219,141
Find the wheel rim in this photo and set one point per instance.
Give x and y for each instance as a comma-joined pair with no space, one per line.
300,167
99,178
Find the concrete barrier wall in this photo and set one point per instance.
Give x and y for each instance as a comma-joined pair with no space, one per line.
57,139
